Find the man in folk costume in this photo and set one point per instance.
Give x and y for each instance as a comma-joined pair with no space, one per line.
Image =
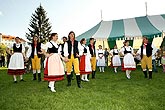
71,52
85,64
146,52
16,63
34,52
92,50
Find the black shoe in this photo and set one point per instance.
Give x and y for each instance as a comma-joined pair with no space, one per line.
22,80
15,81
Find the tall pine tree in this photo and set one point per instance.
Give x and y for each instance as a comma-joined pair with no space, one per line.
39,25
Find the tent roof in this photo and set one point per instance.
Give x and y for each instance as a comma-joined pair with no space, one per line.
133,27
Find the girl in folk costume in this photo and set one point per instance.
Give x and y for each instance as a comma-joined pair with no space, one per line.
85,64
128,60
16,63
116,58
100,59
54,69
34,52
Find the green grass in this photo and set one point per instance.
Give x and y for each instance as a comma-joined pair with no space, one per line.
109,91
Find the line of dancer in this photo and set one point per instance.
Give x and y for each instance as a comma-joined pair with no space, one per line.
74,56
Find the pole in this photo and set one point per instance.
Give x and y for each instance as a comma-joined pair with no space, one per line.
101,15
146,8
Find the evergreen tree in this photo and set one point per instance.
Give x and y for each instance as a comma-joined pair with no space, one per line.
39,25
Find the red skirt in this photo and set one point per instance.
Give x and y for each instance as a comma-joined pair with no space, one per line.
124,69
51,77
16,71
82,65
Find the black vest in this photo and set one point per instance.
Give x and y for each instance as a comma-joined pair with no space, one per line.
62,49
38,49
125,51
93,54
85,50
15,49
75,48
53,49
115,53
148,50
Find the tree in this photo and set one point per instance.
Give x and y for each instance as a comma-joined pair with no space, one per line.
39,25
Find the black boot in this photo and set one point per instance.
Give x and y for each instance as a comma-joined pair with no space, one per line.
145,74
34,76
69,80
39,77
150,74
78,81
88,76
93,74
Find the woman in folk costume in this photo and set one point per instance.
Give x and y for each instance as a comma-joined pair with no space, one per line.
85,64
34,52
16,63
54,69
128,60
100,59
116,62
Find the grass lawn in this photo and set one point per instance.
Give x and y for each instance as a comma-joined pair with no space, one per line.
109,91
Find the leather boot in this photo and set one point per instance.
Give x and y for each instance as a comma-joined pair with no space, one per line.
150,74
145,74
34,76
39,77
93,74
78,81
69,80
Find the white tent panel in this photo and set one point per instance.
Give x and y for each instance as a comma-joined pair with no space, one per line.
158,22
104,43
137,43
119,43
131,28
104,30
157,42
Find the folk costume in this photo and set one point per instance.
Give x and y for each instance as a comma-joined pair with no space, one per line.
71,51
85,64
128,60
92,51
33,53
16,63
116,62
54,69
100,59
146,52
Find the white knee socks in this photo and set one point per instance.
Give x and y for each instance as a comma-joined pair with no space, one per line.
51,85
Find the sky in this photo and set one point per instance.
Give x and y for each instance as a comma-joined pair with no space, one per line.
72,15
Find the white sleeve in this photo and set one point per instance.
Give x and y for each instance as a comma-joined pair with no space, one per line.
23,48
66,50
29,51
59,49
81,50
88,52
79,47
111,52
